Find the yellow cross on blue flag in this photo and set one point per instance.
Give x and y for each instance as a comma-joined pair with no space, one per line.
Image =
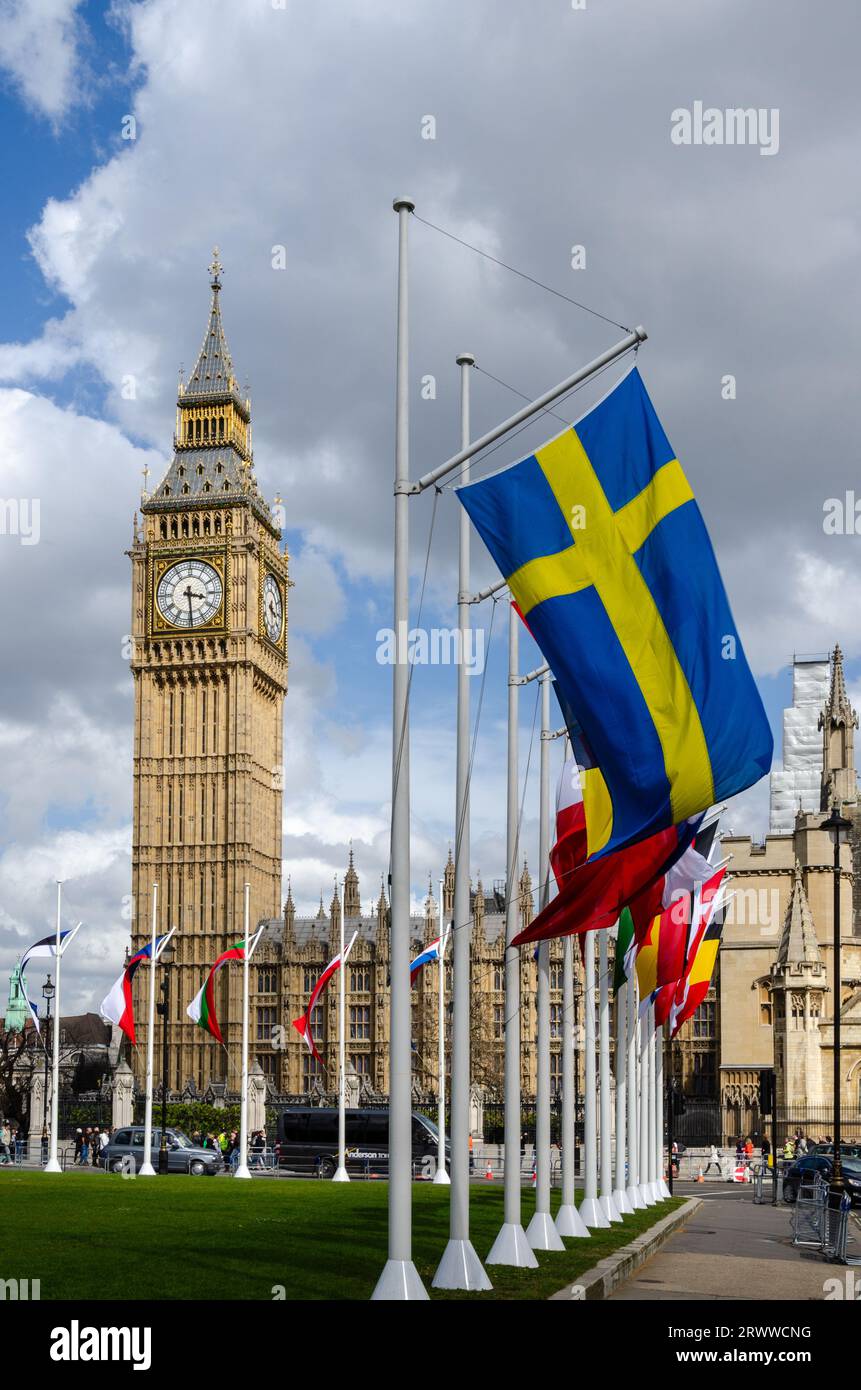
607,556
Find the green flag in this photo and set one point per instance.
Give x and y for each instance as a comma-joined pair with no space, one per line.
626,949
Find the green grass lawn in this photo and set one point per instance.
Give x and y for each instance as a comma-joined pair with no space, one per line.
99,1236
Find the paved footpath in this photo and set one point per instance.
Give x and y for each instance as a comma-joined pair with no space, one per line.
732,1249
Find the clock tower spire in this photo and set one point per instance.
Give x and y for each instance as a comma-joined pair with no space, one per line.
209,622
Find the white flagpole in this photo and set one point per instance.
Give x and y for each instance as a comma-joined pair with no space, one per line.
460,1267
400,1280
441,1175
608,1206
242,1170
663,1190
620,1195
341,1174
633,1189
541,1232
590,1207
53,1164
569,1222
146,1169
511,1246
644,1188
653,1128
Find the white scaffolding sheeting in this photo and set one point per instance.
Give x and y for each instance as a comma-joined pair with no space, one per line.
797,784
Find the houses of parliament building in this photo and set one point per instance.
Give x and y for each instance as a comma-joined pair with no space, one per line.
210,585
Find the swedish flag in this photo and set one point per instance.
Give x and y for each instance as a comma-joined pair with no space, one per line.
607,555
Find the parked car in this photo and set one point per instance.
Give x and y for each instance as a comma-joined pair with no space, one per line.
307,1141
846,1150
182,1155
804,1168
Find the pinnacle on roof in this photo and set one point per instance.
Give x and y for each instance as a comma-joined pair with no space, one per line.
838,706
213,372
798,944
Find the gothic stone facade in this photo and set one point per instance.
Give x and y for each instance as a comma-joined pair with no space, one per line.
295,950
777,993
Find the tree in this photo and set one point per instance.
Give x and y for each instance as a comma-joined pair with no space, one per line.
18,1060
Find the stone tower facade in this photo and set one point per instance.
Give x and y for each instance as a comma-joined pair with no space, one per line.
209,660
777,992
797,987
838,722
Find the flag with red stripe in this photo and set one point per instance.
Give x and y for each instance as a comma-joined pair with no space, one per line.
303,1023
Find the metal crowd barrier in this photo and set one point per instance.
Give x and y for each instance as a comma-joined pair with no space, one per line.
809,1214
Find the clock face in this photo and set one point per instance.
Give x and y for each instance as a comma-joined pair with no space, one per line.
189,594
273,609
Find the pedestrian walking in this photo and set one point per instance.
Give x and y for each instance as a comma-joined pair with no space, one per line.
79,1144
714,1161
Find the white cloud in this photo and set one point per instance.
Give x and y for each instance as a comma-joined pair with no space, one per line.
39,42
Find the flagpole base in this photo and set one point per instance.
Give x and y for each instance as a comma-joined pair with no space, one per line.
623,1201
512,1248
590,1210
399,1283
663,1190
52,1166
570,1223
441,1178
542,1234
635,1197
242,1171
649,1198
610,1210
146,1170
460,1268
340,1175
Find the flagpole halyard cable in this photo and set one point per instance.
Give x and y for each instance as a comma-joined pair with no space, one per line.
521,273
405,720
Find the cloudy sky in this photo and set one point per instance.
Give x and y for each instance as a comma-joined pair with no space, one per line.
259,126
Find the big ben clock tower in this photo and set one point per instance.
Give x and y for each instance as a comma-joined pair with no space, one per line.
209,625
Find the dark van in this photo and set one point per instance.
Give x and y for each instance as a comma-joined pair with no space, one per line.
307,1142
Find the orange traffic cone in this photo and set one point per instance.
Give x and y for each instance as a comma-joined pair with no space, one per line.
488,1175
700,1175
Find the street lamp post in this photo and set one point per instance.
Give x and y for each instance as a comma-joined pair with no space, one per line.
48,995
838,828
164,1010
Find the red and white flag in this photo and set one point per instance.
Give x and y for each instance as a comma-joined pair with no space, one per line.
303,1024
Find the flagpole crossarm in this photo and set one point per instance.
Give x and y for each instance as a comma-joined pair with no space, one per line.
70,938
631,340
550,734
255,942
538,674
160,948
484,593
